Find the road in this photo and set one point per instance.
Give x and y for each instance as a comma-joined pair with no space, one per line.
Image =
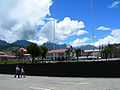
7,82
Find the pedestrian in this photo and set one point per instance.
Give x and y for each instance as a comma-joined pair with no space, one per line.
22,72
17,72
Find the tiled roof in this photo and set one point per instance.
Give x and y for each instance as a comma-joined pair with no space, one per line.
22,50
59,51
2,54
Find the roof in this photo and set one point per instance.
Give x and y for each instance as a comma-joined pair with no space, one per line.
58,51
27,54
96,50
11,56
2,53
8,56
22,50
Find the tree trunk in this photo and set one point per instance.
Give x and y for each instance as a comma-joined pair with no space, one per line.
33,59
106,58
42,59
77,57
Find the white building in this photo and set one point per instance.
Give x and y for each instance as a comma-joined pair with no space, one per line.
59,54
56,54
95,53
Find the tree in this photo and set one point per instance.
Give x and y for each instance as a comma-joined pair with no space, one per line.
106,52
68,52
43,51
78,53
33,50
20,55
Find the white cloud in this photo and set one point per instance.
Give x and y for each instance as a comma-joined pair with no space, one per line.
103,28
78,42
40,41
63,29
17,32
46,32
18,18
67,27
81,32
114,37
30,10
114,4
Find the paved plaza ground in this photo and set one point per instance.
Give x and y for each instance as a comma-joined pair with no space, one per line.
7,82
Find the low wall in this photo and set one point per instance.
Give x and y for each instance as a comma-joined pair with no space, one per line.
69,69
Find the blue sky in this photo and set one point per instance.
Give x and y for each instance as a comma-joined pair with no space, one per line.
35,20
80,10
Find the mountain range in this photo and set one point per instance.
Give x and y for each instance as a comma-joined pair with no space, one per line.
87,47
25,43
52,46
22,43
3,43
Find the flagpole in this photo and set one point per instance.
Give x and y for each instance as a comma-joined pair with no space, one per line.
54,32
92,19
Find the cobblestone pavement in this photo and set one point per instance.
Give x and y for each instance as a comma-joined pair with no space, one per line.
7,82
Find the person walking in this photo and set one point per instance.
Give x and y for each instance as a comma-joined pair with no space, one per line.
17,72
22,72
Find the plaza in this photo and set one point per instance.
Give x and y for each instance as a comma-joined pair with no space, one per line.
8,82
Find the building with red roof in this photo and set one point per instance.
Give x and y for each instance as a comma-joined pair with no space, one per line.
59,54
56,54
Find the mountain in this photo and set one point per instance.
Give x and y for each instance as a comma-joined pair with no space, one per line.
18,43
57,46
88,47
4,46
3,43
9,47
23,43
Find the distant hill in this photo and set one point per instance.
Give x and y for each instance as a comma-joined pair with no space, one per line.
57,46
3,43
18,44
9,47
88,47
23,43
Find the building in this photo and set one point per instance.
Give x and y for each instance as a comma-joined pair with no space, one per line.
115,50
56,54
4,56
59,54
91,52
11,54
